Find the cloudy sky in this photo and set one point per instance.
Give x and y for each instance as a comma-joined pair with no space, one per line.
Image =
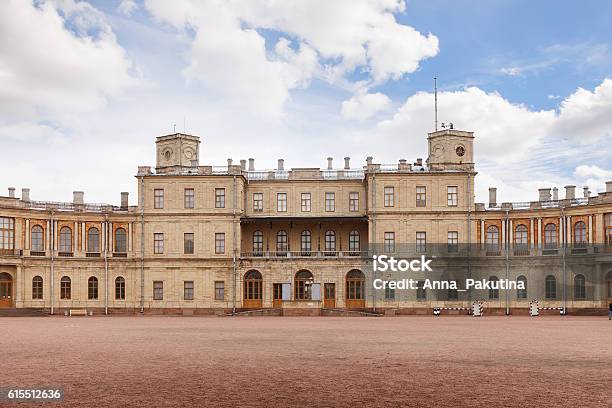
85,87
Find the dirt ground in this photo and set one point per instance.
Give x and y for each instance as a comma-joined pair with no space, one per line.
322,362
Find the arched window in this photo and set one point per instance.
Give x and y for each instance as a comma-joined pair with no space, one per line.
93,240
306,243
65,288
354,243
550,289
92,288
253,285
37,287
492,239
119,288
303,285
37,239
494,291
550,236
521,293
330,243
520,238
257,243
65,241
120,240
281,243
579,287
355,285
580,234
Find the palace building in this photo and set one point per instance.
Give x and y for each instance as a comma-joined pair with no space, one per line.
208,239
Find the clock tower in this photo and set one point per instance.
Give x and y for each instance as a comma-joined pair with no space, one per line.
177,152
451,149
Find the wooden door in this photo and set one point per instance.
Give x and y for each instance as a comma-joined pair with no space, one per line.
277,298
6,293
253,290
329,300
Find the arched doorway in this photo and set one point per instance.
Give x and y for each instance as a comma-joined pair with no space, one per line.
253,293
6,290
355,289
303,285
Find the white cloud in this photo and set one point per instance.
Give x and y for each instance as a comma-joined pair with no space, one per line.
127,7
364,105
585,115
505,131
229,54
50,65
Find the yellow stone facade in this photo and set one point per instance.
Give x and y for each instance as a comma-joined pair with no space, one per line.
206,239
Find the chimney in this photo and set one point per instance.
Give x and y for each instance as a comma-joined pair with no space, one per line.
492,196
544,194
608,186
586,191
124,200
347,163
229,163
330,163
555,194
243,165
281,164
251,164
25,194
12,192
419,162
369,160
78,197
570,192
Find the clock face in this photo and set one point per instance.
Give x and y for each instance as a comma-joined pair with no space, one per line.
460,151
188,152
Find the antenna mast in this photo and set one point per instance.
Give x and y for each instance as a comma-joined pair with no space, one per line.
436,104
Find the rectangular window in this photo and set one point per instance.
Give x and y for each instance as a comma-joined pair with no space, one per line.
219,290
421,196
7,234
37,288
305,202
158,198
219,198
257,202
421,291
389,242
189,198
188,243
158,243
452,196
354,201
389,293
453,241
281,202
158,290
188,290
330,202
421,241
219,243
389,196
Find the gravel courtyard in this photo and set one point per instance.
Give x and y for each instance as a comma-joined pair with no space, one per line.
300,362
